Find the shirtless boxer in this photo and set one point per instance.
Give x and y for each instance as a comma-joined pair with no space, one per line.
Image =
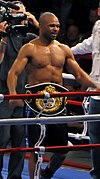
44,58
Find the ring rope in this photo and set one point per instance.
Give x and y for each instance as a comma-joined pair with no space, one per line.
73,102
78,136
62,94
51,120
52,148
85,56
69,163
84,132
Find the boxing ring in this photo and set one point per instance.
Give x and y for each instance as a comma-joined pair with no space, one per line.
52,120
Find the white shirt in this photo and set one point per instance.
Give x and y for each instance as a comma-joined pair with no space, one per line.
91,45
84,47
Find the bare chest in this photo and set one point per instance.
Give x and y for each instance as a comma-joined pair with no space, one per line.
48,56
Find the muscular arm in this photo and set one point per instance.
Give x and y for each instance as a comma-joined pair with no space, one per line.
80,75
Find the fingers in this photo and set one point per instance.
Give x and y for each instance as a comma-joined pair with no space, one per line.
29,16
3,26
28,13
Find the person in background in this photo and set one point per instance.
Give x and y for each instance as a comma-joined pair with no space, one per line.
93,17
92,45
72,38
73,35
10,44
46,65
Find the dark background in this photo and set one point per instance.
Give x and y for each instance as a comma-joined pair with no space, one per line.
79,10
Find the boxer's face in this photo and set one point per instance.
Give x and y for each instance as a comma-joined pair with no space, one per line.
50,28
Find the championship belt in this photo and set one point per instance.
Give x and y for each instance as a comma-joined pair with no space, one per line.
49,106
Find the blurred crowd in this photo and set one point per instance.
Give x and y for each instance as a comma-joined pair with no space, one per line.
81,13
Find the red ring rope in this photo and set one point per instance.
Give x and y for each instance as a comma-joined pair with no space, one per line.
85,56
53,148
62,94
76,103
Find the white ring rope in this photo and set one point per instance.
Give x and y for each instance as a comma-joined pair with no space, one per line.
51,120
78,136
68,76
1,98
69,79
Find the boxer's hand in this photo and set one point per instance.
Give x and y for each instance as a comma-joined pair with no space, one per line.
16,103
